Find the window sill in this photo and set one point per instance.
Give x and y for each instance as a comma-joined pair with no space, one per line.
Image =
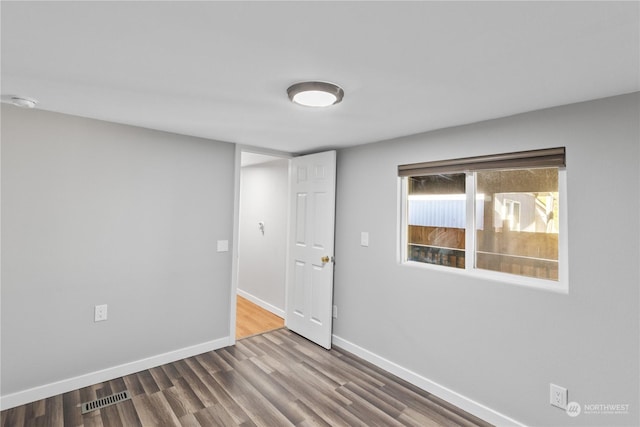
560,287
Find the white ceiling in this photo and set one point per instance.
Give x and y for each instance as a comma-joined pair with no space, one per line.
220,70
251,159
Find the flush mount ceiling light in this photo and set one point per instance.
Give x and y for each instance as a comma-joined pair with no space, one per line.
315,94
22,102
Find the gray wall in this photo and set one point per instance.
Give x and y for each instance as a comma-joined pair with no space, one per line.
93,213
263,197
499,344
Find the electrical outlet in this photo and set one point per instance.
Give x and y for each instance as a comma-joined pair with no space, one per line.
558,396
100,313
334,313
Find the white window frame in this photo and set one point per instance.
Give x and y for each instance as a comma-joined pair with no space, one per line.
560,286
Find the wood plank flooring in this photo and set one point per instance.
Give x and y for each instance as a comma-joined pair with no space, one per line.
252,319
274,379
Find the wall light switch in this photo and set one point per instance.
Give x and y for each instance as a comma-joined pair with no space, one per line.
223,246
364,238
100,313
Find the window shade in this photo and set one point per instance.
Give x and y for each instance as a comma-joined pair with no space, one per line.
549,157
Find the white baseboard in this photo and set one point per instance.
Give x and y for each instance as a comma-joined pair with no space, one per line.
63,386
257,301
462,402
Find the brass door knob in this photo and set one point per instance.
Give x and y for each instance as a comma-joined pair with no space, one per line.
324,259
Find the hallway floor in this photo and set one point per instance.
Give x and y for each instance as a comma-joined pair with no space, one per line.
252,319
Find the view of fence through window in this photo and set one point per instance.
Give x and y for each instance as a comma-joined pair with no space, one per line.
520,230
437,219
516,221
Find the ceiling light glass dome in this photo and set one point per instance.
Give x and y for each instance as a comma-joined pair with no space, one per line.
315,94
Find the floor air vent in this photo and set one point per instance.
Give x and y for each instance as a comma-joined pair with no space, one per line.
105,401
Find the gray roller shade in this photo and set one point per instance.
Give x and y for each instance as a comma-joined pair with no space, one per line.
548,157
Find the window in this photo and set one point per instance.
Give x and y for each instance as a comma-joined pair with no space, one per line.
494,215
436,207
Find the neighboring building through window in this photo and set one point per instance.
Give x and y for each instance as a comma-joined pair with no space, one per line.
520,232
496,213
437,219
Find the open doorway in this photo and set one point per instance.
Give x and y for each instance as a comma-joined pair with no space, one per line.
262,243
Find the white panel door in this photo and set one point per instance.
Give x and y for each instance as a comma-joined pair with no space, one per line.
310,261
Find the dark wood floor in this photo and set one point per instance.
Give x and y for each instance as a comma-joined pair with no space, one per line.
275,379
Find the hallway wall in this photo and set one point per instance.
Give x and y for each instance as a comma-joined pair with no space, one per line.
263,198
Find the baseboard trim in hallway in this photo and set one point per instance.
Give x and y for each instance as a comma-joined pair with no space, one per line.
261,303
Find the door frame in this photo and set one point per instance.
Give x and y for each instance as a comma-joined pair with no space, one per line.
239,149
